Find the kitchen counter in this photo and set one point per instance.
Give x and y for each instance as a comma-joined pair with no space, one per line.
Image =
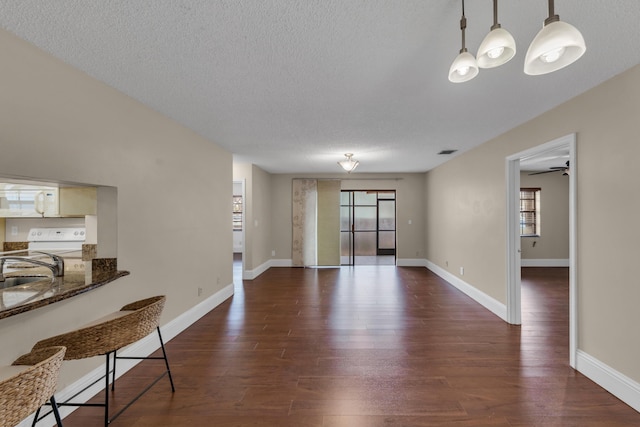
30,296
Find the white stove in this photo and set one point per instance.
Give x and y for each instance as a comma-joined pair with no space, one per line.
56,239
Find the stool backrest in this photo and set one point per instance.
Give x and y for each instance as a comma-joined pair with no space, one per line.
25,392
138,320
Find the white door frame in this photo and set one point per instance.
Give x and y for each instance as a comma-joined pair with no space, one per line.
514,313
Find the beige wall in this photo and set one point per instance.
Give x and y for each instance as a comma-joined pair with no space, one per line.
465,218
553,242
466,213
173,191
261,230
409,206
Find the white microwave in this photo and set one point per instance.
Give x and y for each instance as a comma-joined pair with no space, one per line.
23,201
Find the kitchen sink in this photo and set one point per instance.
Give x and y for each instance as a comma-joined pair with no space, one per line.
21,280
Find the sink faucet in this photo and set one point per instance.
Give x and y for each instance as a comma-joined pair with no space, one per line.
57,267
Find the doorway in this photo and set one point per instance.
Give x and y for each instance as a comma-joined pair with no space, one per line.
238,207
514,314
367,227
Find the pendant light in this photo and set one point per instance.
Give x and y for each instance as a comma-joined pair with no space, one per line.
498,47
349,163
557,45
464,67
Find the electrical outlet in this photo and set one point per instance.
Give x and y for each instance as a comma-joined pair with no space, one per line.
217,280
273,253
446,263
14,230
199,291
462,271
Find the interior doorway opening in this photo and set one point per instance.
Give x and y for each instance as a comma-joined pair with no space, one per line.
238,204
368,227
514,250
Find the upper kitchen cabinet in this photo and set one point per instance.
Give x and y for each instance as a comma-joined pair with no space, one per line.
78,201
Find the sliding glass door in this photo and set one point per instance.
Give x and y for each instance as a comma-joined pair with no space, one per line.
367,226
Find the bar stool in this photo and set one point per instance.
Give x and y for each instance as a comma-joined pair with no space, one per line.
106,336
28,384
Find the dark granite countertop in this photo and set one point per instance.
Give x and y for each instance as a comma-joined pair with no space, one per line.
30,296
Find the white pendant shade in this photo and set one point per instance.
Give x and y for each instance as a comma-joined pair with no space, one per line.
464,68
497,48
557,45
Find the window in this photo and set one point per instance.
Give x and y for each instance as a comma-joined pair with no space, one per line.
530,212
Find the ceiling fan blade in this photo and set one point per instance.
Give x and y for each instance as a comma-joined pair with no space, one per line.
540,173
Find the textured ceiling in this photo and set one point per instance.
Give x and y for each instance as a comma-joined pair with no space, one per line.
292,85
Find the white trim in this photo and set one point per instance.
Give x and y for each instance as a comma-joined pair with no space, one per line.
252,274
189,317
616,383
544,262
513,242
141,348
488,302
573,252
281,263
400,262
411,262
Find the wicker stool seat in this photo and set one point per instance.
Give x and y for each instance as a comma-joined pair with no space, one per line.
106,336
28,384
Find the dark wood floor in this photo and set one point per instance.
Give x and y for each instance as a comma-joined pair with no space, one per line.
368,347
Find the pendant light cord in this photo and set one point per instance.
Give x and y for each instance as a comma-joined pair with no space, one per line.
552,16
463,26
495,15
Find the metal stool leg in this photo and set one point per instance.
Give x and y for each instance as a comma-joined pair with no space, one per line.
106,392
113,381
166,361
56,414
35,419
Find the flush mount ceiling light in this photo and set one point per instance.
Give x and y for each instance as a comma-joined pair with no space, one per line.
349,163
498,47
557,45
464,67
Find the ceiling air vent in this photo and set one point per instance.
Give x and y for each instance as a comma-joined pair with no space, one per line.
447,151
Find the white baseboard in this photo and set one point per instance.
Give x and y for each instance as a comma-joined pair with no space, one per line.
411,262
544,262
281,263
252,274
477,295
142,348
400,262
616,383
